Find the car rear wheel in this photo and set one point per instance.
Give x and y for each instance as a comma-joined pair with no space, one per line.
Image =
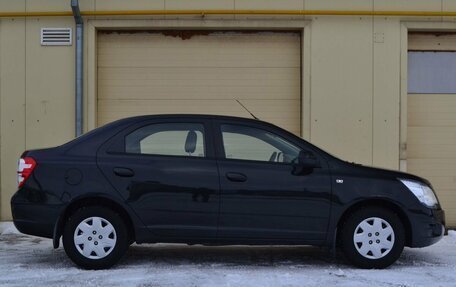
373,237
95,237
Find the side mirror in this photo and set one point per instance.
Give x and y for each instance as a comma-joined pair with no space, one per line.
305,162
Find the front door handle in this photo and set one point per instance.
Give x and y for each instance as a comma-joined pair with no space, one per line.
236,176
123,172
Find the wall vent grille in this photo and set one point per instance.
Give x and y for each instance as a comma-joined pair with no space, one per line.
56,37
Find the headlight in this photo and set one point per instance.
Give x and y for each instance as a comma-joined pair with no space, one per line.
422,191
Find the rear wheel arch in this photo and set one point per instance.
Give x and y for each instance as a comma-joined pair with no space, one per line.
377,202
92,201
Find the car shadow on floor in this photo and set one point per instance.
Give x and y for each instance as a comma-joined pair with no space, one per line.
172,254
28,251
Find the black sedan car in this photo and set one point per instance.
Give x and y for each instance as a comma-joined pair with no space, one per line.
214,180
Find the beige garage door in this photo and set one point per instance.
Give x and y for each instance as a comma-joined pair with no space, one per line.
200,72
431,132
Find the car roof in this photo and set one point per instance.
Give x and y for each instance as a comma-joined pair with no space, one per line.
85,144
196,116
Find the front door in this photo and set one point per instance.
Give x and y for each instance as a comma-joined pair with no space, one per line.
167,173
261,198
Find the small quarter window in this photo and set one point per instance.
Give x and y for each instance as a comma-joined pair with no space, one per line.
176,139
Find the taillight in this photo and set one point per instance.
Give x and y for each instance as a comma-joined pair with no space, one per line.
25,167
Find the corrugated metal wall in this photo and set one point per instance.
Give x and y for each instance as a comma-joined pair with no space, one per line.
200,72
431,131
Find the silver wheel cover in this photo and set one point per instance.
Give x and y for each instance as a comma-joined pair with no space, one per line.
95,237
373,238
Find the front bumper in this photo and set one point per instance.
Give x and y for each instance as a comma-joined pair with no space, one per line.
428,228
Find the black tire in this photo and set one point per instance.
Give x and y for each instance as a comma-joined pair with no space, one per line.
348,242
116,252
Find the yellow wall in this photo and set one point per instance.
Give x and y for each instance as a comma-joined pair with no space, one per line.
354,74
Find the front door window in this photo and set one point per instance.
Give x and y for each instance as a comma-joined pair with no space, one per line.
247,143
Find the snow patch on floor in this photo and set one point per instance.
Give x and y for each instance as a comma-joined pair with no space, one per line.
452,234
7,227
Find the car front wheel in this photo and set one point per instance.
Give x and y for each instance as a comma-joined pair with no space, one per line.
95,237
373,237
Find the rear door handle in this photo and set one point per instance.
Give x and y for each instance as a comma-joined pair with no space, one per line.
123,172
236,176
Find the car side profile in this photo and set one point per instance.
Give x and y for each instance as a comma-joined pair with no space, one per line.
216,180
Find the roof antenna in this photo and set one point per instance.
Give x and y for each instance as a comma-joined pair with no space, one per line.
247,110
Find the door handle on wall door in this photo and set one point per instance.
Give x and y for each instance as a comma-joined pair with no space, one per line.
236,176
123,172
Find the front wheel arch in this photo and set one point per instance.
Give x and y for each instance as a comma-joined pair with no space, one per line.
376,202
90,201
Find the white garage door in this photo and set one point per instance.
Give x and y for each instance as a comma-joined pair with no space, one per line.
200,72
431,132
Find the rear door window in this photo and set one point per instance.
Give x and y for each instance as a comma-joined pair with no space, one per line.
175,139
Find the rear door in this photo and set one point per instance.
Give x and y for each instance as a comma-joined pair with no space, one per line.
166,171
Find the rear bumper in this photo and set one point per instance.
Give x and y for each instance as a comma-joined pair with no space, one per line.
35,218
427,229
